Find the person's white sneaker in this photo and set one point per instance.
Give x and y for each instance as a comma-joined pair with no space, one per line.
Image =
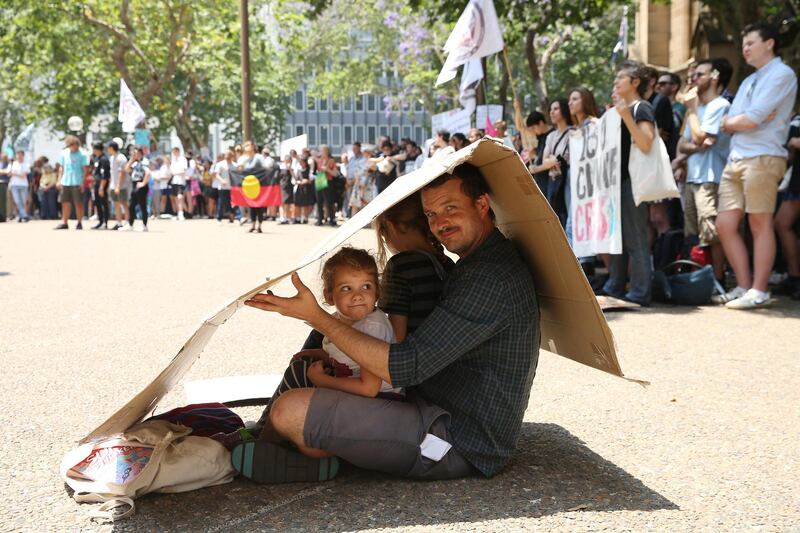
93,218
141,229
752,299
126,227
180,216
729,296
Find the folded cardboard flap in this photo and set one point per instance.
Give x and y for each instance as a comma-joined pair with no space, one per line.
572,323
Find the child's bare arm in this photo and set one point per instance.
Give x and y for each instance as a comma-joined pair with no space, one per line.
317,354
367,384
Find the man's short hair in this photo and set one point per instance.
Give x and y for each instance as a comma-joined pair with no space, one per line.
765,30
674,79
69,140
534,118
357,143
97,145
444,134
113,146
723,68
473,184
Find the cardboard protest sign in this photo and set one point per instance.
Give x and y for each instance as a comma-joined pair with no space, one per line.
594,162
572,324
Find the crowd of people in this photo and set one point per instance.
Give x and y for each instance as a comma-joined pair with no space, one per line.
728,152
729,157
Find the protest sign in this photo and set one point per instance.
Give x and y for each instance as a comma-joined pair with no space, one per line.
295,143
595,173
453,121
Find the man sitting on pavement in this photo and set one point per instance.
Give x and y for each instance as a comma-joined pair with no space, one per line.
759,122
468,369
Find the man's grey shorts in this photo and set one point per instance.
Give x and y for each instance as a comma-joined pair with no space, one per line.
382,435
71,193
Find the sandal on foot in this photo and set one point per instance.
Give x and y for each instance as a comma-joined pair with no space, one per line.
265,462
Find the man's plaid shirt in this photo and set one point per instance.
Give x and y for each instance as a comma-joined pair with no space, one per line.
476,354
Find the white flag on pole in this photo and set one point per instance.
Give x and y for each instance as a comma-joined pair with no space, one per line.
477,34
470,77
130,112
25,139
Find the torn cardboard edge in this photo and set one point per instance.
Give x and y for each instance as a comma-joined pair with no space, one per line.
572,323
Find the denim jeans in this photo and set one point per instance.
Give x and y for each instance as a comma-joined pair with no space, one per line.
20,194
223,203
634,247
49,201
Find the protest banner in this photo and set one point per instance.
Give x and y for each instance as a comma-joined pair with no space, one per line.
453,121
595,173
295,143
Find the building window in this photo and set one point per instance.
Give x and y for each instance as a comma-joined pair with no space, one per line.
348,103
323,103
395,133
323,134
336,104
336,135
418,137
360,103
298,130
371,102
312,136
298,100
371,134
287,132
407,132
348,135
417,106
360,135
384,131
311,103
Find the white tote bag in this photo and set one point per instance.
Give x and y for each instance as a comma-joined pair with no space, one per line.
154,456
651,172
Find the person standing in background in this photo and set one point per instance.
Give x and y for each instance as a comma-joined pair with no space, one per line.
101,169
72,166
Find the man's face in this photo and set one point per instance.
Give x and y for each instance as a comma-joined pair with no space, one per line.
20,157
473,135
755,50
454,218
356,150
664,86
73,147
702,77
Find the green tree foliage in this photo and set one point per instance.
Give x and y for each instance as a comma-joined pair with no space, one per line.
180,59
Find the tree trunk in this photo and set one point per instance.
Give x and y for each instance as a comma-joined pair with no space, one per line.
538,83
503,89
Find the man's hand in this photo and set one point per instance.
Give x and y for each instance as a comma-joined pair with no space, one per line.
690,100
302,306
315,371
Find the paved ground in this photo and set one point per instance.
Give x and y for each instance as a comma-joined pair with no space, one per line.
88,318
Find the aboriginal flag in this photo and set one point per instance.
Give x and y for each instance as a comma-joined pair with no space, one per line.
256,187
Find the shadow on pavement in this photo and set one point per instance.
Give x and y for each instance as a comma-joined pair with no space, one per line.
551,472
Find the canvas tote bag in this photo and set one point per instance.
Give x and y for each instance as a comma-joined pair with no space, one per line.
154,456
651,172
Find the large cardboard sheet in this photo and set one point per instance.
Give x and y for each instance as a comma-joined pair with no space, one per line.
572,323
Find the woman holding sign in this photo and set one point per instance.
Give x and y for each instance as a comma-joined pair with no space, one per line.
638,126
